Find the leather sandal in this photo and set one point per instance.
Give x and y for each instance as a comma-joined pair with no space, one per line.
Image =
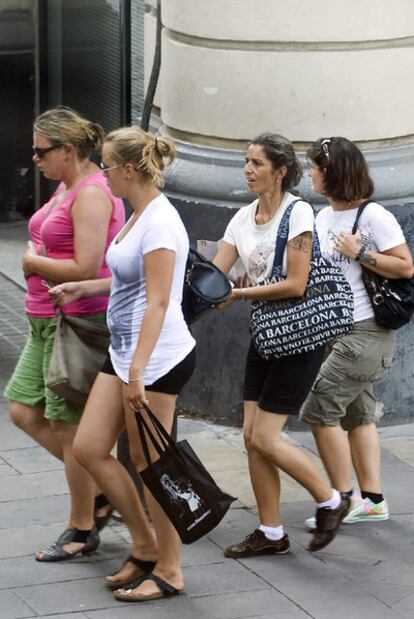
55,552
102,521
165,590
144,568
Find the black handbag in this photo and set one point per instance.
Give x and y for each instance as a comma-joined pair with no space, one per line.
179,482
205,286
286,327
392,299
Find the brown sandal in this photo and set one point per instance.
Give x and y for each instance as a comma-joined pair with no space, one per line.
144,567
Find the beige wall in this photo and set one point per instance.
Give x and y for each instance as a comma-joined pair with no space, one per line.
233,69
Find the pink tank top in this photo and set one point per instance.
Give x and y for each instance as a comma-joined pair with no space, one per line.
53,229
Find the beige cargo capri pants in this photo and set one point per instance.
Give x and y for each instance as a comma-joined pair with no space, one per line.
343,391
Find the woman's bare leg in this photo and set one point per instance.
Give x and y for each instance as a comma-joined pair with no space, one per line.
31,420
168,565
101,425
81,485
366,456
264,475
268,441
333,448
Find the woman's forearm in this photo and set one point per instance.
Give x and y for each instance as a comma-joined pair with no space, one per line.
65,270
392,267
285,289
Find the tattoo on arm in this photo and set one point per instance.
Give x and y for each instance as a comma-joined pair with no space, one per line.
366,258
302,242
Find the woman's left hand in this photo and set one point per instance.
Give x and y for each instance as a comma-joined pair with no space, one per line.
348,244
135,395
29,253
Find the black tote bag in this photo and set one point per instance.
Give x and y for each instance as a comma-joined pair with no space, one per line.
180,483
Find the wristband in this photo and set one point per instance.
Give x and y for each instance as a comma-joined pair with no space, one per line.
359,255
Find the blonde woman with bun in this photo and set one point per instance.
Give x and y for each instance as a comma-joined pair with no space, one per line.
69,237
151,356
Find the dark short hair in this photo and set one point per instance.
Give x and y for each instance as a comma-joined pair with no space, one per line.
281,153
346,171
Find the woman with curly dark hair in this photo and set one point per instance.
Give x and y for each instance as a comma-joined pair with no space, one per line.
277,388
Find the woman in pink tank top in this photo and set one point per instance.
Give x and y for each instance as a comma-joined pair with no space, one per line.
69,238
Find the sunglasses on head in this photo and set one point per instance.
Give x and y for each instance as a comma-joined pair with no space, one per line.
42,152
325,146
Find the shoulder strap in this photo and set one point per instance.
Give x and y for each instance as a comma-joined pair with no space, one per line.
282,237
359,213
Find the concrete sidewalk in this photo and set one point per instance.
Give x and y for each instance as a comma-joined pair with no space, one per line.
366,573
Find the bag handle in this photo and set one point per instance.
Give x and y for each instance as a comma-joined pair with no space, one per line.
359,213
282,237
161,440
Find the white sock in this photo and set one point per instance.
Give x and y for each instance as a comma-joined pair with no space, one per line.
272,533
333,502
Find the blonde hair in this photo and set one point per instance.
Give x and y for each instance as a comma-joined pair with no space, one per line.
62,125
145,151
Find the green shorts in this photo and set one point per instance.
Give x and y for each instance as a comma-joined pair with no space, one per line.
28,382
343,390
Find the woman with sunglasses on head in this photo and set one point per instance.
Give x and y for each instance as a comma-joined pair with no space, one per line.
342,397
275,389
69,237
151,357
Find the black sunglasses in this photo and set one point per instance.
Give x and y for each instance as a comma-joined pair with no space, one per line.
42,152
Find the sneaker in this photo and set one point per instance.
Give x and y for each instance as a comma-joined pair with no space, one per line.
356,504
257,544
327,524
368,511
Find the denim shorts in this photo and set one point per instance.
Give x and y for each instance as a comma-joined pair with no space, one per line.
28,382
343,391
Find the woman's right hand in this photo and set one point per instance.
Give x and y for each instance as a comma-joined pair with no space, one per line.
66,293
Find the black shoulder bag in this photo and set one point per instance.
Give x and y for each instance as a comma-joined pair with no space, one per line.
392,299
205,286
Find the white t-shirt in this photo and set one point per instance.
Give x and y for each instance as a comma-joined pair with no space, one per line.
256,243
158,227
380,231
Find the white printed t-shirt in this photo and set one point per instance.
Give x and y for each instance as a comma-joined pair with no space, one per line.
256,243
158,227
380,231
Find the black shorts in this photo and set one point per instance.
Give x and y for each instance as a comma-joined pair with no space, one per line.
282,385
172,382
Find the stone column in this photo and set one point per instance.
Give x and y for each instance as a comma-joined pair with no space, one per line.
233,69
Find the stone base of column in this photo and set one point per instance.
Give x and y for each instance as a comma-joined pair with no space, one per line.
211,175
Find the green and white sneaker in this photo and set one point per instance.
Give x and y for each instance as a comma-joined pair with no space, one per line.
367,512
356,506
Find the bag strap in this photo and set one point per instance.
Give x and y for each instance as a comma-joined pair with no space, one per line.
282,237
359,213
160,439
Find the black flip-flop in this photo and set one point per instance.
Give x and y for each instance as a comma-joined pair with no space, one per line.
165,591
145,566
